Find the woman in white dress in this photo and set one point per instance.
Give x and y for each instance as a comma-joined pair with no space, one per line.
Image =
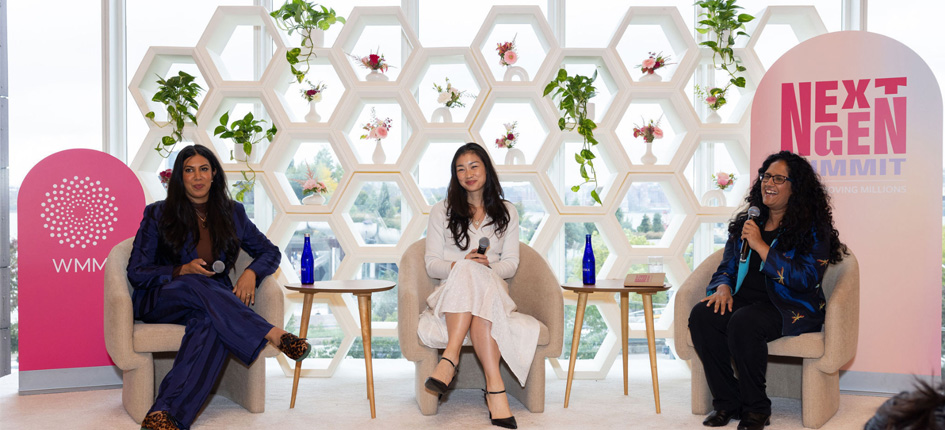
473,296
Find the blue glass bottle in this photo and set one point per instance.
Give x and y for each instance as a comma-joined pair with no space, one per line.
308,262
589,266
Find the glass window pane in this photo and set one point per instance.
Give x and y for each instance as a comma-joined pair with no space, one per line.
441,25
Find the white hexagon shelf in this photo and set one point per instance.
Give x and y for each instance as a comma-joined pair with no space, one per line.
163,62
238,102
324,69
370,229
647,29
718,152
429,166
610,84
674,116
434,66
559,171
655,193
535,42
782,23
215,43
534,119
321,150
355,112
386,24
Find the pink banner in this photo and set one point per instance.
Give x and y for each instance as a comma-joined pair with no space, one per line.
74,206
867,112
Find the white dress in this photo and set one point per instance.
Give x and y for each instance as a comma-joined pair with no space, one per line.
473,287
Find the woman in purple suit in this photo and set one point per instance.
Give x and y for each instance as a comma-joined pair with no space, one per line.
175,269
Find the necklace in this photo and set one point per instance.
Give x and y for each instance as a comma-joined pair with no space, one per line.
203,219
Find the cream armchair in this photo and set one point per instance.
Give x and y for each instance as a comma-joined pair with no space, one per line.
535,291
145,352
805,367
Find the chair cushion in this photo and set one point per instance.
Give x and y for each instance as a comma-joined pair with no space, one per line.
807,345
544,335
157,337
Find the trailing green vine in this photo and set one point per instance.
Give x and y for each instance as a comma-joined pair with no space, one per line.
179,95
304,17
573,93
723,24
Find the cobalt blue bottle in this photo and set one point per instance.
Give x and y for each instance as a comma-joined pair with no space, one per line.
308,262
589,266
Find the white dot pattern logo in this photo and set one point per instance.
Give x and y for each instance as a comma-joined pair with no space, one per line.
79,212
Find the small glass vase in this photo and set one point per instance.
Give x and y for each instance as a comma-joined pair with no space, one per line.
312,115
649,158
441,114
379,157
376,76
313,199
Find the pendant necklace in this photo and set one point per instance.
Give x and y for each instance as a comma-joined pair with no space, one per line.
203,219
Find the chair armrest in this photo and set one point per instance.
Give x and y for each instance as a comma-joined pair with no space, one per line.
270,301
841,326
537,292
689,293
414,286
118,313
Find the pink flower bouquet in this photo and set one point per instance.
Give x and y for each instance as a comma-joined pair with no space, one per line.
510,138
507,54
376,129
310,185
372,62
650,131
165,177
723,180
654,62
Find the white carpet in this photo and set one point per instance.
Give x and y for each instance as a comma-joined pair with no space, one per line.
341,402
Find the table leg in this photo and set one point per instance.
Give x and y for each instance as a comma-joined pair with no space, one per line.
303,331
625,336
575,340
651,343
364,306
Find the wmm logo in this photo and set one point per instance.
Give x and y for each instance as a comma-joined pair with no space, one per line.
79,212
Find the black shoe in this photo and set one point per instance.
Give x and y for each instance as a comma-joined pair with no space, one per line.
720,418
508,423
754,421
438,386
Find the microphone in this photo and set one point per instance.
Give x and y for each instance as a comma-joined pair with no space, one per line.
218,266
753,212
483,244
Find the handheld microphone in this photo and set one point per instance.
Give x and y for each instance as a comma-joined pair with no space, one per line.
483,244
218,266
753,212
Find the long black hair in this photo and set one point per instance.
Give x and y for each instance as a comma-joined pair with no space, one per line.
808,207
180,219
458,209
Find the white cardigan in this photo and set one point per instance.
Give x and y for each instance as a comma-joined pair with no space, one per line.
441,250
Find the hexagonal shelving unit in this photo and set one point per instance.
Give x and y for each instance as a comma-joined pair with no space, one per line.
535,43
386,25
782,23
534,118
646,29
281,85
215,43
434,66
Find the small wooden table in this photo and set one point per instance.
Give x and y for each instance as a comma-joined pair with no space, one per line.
615,286
362,289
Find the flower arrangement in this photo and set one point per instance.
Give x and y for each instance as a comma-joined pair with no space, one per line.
165,177
450,96
314,92
713,97
310,184
372,61
377,129
507,54
723,180
655,62
510,138
649,130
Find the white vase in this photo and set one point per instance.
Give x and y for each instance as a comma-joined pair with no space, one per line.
713,117
441,114
514,156
376,76
378,157
515,72
649,159
651,77
713,195
312,115
313,199
318,36
240,155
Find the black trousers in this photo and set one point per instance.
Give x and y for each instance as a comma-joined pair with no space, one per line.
741,335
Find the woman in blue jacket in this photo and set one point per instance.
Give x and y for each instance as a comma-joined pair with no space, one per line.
175,269
775,293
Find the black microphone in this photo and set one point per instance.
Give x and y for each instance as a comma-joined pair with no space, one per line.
483,244
753,212
218,266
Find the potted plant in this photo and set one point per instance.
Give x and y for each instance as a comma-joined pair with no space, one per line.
179,95
723,24
573,94
245,133
304,17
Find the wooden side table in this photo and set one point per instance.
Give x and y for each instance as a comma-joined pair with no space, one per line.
362,289
615,286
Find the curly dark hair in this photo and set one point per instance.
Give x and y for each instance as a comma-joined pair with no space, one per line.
179,218
922,409
809,207
458,209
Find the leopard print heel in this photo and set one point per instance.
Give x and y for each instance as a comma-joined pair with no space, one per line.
159,421
294,347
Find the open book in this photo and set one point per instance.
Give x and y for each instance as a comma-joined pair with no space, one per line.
644,280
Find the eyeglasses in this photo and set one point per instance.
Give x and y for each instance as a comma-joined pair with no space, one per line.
777,179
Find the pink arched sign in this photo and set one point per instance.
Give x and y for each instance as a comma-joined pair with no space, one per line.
867,112
73,207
